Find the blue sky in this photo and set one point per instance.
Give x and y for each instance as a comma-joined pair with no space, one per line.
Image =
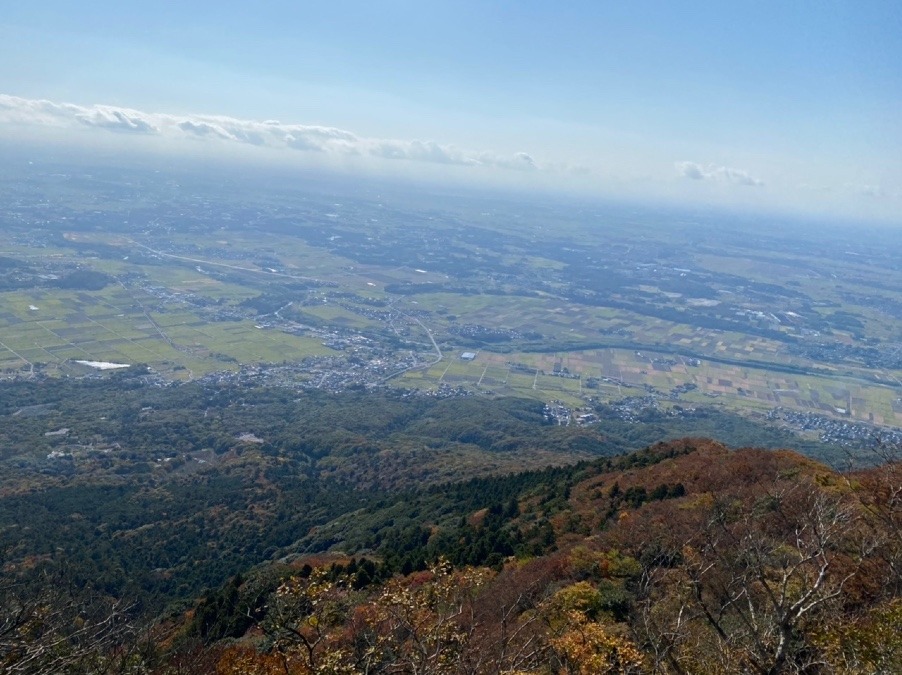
794,105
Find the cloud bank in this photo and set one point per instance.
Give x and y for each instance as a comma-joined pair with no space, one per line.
305,138
717,174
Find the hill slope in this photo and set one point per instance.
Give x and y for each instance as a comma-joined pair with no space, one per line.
686,557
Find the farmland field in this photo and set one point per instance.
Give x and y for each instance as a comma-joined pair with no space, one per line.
345,291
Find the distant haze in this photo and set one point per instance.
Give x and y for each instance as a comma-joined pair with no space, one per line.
761,107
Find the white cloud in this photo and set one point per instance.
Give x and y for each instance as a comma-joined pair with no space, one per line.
719,174
116,119
205,129
523,161
690,170
872,191
269,133
425,151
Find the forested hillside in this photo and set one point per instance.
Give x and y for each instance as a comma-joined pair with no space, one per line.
683,557
687,557
156,493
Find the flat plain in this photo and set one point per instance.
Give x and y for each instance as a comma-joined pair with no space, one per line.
563,303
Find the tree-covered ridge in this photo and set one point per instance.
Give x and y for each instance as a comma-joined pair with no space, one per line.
686,557
121,501
158,492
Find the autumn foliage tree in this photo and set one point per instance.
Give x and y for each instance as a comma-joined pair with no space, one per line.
761,562
54,627
750,578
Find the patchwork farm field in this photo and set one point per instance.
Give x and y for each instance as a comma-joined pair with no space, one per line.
55,329
307,289
617,373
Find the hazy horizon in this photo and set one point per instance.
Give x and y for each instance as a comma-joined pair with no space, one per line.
763,109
